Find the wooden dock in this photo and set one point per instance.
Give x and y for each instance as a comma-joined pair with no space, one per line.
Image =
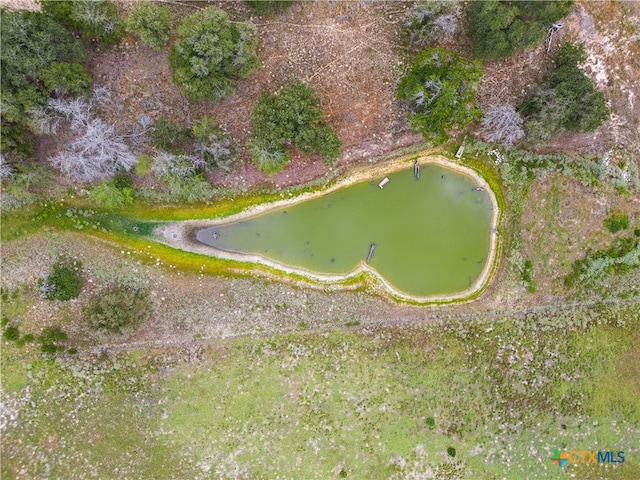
371,249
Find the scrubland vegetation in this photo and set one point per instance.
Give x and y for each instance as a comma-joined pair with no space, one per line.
122,357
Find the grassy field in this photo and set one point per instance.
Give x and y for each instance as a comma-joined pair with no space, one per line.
477,400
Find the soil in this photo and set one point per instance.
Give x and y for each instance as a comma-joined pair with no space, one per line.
338,48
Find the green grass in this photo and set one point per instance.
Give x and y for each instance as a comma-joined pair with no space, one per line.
382,404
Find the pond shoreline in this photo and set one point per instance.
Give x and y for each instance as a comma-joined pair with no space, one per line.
182,234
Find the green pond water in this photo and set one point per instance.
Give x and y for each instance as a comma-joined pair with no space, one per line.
432,235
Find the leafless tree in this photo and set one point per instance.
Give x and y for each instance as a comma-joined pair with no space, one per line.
502,124
97,149
169,165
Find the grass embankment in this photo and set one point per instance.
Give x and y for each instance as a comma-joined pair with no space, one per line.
472,399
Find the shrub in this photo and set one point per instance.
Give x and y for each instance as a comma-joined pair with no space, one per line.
66,79
441,88
167,135
63,283
117,309
616,221
451,452
151,23
49,340
11,333
291,116
266,7
499,28
211,54
567,100
215,146
433,21
107,194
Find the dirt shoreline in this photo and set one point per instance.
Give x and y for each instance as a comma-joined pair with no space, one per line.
181,234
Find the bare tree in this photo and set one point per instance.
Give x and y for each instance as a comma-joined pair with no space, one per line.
502,124
96,151
169,165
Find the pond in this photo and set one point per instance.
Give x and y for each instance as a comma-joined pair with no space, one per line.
433,235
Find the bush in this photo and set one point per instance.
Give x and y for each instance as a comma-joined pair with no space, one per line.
167,135
266,7
11,333
431,20
66,79
96,20
616,221
215,146
567,100
49,340
63,283
451,452
441,88
117,309
291,117
151,23
499,28
211,54
108,194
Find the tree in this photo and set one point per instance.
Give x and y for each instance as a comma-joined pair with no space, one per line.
441,88
151,23
566,100
214,145
502,124
499,28
211,54
291,117
97,20
64,78
97,150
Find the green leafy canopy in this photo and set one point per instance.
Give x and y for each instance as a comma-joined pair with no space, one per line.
441,88
291,116
211,53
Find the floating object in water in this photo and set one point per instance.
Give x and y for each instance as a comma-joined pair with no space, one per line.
460,151
371,249
384,181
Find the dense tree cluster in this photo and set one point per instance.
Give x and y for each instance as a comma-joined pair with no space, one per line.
566,100
441,89
500,28
96,20
38,57
212,53
291,117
